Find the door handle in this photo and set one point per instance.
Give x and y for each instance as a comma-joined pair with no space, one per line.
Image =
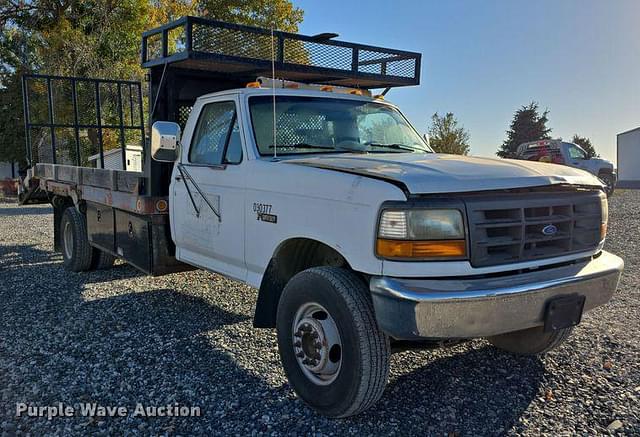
178,178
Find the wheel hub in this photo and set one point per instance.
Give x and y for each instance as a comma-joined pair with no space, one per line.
67,236
316,344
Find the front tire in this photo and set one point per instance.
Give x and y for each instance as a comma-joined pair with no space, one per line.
333,351
532,341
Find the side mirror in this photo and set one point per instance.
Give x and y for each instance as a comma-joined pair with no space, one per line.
165,141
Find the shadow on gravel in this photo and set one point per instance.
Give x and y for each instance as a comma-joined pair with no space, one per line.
155,347
481,391
145,347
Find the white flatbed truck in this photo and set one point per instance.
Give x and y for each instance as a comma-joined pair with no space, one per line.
358,237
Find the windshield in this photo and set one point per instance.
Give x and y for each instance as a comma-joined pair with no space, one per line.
326,125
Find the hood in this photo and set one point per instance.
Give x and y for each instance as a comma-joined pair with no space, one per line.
435,173
603,163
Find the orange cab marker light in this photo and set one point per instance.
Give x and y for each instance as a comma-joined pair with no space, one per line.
161,205
421,249
253,85
356,92
327,88
292,86
379,97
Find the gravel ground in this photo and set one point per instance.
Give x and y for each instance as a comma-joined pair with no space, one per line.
119,338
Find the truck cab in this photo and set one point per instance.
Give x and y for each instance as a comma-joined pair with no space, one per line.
320,194
562,152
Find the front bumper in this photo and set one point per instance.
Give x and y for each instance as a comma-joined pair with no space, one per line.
465,308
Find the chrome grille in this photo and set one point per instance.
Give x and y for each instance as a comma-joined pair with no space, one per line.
509,228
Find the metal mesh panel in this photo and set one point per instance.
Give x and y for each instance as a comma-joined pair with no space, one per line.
183,115
317,54
65,146
224,48
231,42
154,46
385,63
211,133
294,129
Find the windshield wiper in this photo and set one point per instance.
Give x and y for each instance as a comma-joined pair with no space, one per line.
394,146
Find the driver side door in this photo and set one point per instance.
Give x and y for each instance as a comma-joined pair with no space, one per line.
208,190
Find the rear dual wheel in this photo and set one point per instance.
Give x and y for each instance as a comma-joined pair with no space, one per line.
77,253
333,352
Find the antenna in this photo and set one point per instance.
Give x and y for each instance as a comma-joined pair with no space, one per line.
273,95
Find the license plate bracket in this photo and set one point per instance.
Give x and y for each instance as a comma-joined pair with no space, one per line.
563,312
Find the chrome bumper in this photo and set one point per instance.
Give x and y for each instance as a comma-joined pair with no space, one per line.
466,308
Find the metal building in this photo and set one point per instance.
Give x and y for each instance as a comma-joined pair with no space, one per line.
628,157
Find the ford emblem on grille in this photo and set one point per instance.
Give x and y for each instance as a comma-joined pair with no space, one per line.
550,230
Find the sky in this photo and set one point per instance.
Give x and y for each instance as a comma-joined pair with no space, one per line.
482,60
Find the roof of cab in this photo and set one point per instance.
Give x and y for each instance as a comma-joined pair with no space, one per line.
291,92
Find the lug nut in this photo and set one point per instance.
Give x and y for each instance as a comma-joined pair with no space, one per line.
297,344
315,335
317,345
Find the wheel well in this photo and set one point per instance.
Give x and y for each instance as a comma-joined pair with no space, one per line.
291,257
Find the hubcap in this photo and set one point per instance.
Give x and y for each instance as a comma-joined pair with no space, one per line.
67,235
316,343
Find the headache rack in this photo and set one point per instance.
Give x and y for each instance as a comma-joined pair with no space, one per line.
224,48
85,122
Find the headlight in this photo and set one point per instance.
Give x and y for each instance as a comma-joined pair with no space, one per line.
604,217
421,234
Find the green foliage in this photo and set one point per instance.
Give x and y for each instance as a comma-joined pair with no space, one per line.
446,135
585,143
527,125
12,142
264,13
98,38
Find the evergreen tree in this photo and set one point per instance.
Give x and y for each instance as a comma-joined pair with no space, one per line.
585,143
447,136
527,125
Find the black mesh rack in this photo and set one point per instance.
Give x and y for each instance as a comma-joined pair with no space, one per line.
223,48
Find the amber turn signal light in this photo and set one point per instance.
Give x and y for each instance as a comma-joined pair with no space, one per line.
421,249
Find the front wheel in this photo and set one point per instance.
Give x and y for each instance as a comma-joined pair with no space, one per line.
333,352
532,341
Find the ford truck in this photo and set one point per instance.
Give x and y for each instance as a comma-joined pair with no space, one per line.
322,196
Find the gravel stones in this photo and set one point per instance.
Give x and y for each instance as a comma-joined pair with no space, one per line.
118,338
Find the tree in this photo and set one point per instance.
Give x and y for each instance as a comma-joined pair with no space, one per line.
99,38
447,136
527,125
585,143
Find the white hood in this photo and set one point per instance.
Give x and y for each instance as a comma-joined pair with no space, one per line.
440,173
